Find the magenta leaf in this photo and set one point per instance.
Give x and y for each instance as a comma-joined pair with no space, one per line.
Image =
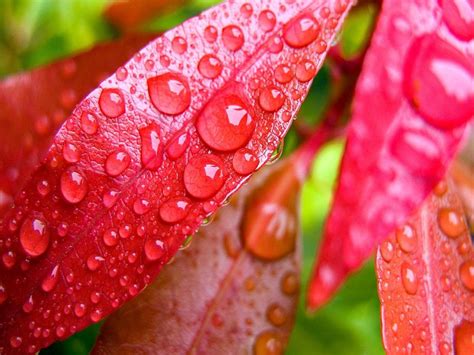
113,215
412,103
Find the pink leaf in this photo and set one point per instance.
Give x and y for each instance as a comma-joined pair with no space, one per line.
412,103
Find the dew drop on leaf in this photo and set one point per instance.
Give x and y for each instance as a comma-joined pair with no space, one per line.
246,10
117,162
387,250
210,66
267,20
276,315
70,153
94,262
3,294
283,74
141,206
451,222
409,278
244,161
34,236
89,123
174,210
204,176
464,338
178,145
73,186
406,238
289,284
179,45
154,249
112,103
305,71
110,237
210,34
169,93
271,99
151,147
466,272
226,123
50,281
268,343
301,31
233,38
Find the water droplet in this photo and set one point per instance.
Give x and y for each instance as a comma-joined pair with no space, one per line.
94,262
3,295
407,239
110,198
246,10
28,305
387,251
178,145
117,162
233,38
169,93
73,186
89,123
141,206
210,66
204,176
267,20
301,31
283,74
441,188
50,281
271,99
466,272
15,342
451,222
110,237
60,331
289,284
9,259
34,236
112,102
70,153
276,315
175,210
409,278
80,310
464,338
179,45
305,71
151,149
434,68
244,161
226,123
96,315
43,187
210,34
269,343
275,44
121,74
456,15
154,249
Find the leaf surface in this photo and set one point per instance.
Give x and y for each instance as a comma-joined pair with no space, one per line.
235,289
159,146
36,103
409,115
425,276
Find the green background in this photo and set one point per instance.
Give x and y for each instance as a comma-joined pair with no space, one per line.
36,32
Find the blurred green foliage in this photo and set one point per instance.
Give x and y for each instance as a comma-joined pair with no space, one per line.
35,32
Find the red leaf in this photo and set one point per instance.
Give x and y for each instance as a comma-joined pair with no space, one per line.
426,280
102,208
220,296
34,104
411,106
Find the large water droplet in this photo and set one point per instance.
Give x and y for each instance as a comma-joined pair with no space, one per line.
210,66
466,272
407,238
151,149
112,103
34,236
464,338
73,186
50,281
271,99
204,176
268,343
117,162
434,68
154,249
244,161
232,37
175,210
451,222
458,16
301,31
226,123
409,278
169,93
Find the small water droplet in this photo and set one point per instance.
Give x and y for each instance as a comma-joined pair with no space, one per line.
178,145
226,123
301,31
112,103
9,259
89,123
110,237
409,278
15,341
73,186
121,74
246,10
94,262
141,206
80,310
175,210
210,34
70,153
210,66
305,71
233,38
267,20
204,176
50,281
276,315
179,45
387,250
110,198
466,272
117,162
289,284
154,249
451,222
34,236
407,238
283,74
169,93
271,99
269,343
43,187
244,161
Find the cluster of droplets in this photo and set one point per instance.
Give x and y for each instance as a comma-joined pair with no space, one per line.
450,235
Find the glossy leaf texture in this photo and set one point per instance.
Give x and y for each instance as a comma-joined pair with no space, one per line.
158,147
235,288
412,103
425,276
33,106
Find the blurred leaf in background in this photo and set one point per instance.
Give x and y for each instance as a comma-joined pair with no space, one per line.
36,32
